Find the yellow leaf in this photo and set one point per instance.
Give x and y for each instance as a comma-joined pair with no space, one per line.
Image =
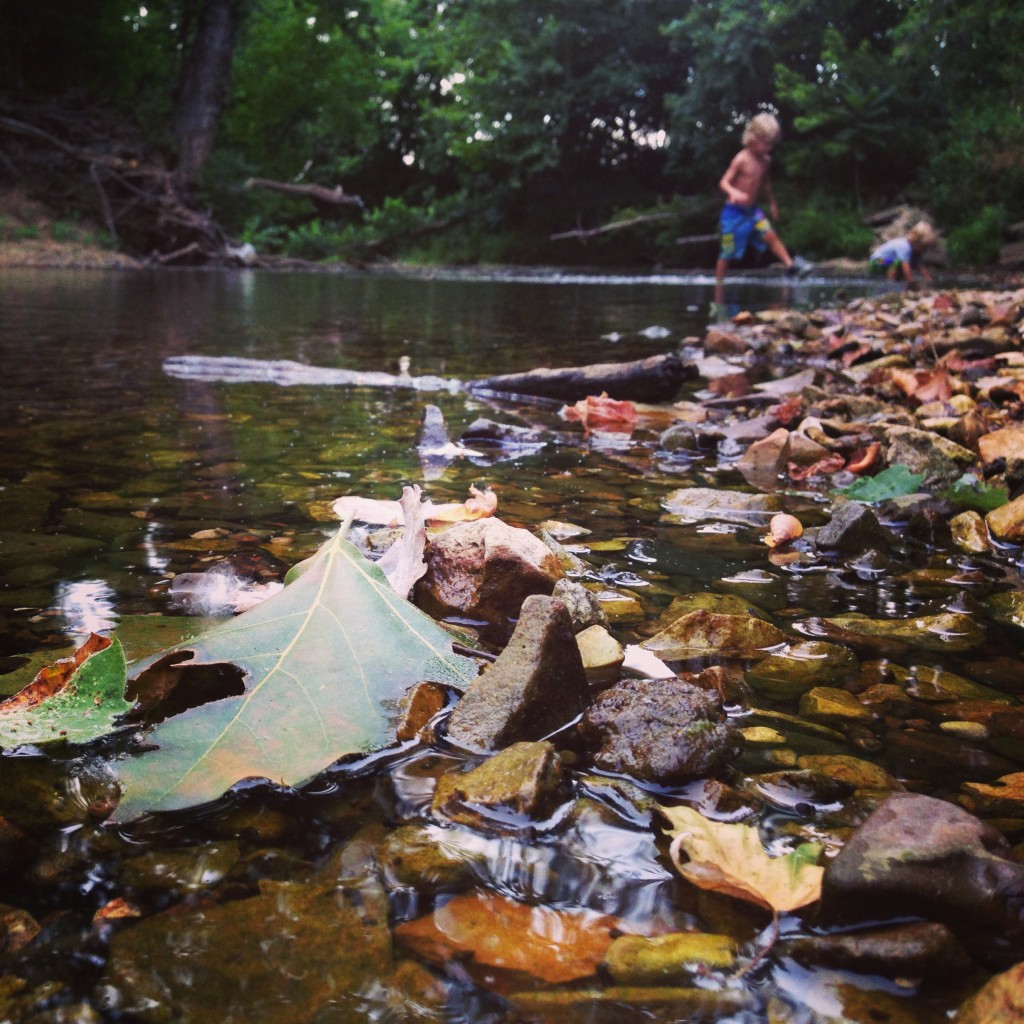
730,859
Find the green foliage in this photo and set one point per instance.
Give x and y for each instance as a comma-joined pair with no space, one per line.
976,243
541,116
893,482
979,165
976,494
825,226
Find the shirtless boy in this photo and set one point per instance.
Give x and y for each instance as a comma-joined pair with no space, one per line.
742,222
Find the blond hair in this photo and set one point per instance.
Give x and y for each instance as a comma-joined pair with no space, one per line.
765,127
922,235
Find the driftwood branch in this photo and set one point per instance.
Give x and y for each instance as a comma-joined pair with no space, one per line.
654,379
584,233
336,196
697,239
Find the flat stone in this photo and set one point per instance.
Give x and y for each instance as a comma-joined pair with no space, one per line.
602,655
800,667
666,959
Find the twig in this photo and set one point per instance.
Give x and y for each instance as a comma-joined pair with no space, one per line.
615,226
108,216
764,950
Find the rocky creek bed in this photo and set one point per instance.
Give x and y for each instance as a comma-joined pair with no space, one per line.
525,854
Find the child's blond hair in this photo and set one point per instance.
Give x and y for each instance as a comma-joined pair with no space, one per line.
922,236
765,127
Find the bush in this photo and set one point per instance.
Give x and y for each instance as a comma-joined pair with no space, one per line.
976,243
825,227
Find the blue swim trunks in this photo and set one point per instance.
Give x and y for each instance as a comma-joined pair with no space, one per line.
741,226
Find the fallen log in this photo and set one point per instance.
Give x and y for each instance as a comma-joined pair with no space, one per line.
654,379
318,194
618,225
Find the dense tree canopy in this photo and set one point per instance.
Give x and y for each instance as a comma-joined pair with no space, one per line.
475,129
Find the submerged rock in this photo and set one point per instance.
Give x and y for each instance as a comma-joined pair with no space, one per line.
800,667
537,685
666,959
509,792
660,730
295,952
701,634
947,632
899,951
698,504
429,859
919,855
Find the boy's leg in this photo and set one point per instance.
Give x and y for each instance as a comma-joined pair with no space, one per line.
779,250
720,268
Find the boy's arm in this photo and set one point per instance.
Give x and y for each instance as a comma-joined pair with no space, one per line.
773,207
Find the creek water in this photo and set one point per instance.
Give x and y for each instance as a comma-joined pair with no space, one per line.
116,474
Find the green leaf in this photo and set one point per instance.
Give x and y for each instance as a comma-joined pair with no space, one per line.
324,663
75,700
976,494
894,482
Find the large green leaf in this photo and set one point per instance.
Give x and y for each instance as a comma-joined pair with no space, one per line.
324,663
75,700
893,482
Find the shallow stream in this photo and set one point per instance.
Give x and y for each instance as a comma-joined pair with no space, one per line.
116,474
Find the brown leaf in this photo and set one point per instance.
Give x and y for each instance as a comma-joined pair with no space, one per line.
787,412
602,413
934,387
829,464
864,458
553,945
52,679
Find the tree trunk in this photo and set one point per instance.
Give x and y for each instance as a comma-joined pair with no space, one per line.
204,86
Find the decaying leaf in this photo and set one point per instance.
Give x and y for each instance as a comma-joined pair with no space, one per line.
554,945
730,859
599,412
322,665
75,700
403,562
479,505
